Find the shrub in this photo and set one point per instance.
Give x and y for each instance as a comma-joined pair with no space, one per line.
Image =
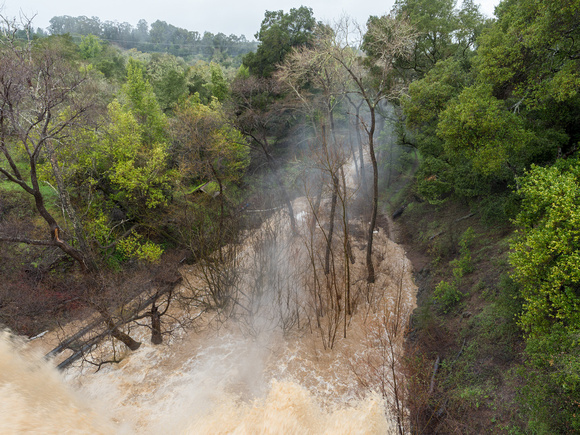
447,295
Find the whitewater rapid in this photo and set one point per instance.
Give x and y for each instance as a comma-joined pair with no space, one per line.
218,380
217,391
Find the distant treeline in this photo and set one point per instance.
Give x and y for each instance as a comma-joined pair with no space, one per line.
157,37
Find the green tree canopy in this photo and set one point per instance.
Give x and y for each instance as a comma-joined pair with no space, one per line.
545,257
444,30
136,169
207,147
531,52
90,46
278,34
139,98
168,76
547,247
478,127
128,159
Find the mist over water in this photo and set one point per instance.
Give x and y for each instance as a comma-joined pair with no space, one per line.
247,376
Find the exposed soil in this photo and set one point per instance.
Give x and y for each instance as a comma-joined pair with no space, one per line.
477,338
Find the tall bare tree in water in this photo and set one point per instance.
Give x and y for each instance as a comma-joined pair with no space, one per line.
318,83
373,79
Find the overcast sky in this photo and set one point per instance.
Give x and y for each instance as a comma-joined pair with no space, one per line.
226,16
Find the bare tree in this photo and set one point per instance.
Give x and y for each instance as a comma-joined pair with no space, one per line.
373,79
318,83
357,127
42,98
381,365
117,304
213,282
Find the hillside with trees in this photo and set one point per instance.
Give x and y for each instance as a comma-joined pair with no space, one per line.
127,152
157,37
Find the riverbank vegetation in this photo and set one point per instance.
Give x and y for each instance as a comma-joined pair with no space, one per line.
120,163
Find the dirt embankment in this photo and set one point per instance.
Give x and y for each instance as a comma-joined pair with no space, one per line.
463,341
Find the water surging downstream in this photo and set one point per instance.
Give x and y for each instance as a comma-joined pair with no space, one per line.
35,399
243,377
199,399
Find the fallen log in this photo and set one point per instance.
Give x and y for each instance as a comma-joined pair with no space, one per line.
80,347
69,341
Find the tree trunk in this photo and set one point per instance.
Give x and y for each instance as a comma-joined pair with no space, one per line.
156,337
64,198
316,208
331,226
115,331
363,172
353,153
55,232
373,222
348,254
124,338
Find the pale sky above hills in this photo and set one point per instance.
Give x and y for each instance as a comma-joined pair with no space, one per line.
226,16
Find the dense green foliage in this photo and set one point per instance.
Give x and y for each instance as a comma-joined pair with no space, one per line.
444,31
145,150
546,254
278,34
547,247
116,156
494,117
488,110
